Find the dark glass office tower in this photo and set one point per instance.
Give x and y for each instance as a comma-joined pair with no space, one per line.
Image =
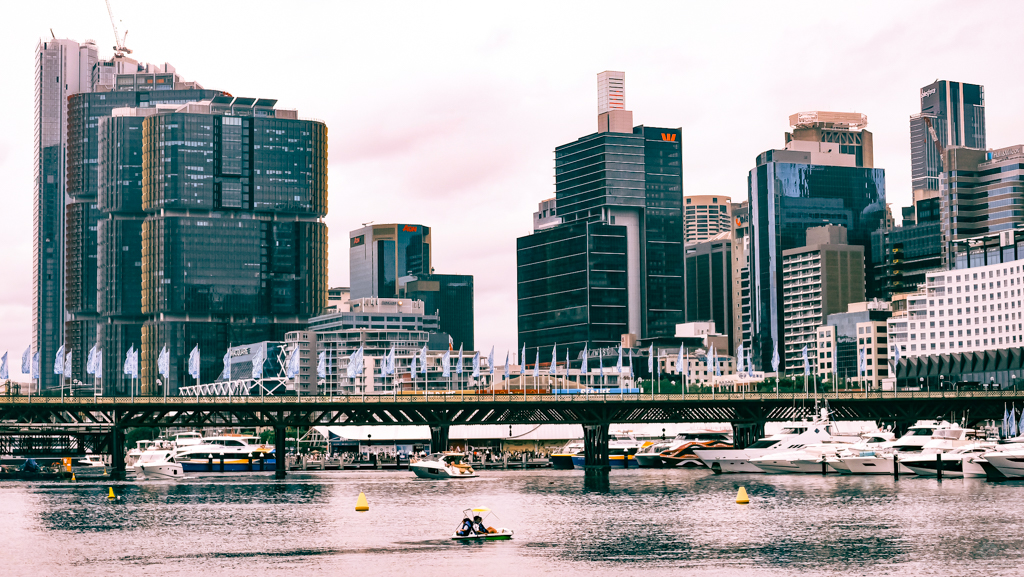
903,254
808,184
952,114
572,287
381,254
626,184
233,245
450,297
86,114
709,284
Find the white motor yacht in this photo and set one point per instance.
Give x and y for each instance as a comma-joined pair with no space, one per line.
158,464
952,462
880,458
186,439
868,444
807,459
1004,461
793,436
133,455
442,466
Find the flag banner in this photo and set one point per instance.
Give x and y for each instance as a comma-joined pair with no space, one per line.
292,368
226,373
35,365
476,365
67,365
490,361
508,356
775,359
258,358
458,365
807,364
522,361
423,360
412,365
163,363
26,361
583,365
618,363
90,362
193,363
739,360
58,362
536,365
3,367
631,363
446,364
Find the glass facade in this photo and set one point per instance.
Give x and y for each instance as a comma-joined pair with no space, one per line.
572,287
709,294
902,256
381,254
952,114
785,200
227,211
450,298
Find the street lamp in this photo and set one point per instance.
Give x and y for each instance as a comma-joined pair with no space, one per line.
920,385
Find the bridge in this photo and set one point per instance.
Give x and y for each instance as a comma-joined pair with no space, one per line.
109,417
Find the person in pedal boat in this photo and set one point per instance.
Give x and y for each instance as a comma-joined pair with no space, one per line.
478,527
466,528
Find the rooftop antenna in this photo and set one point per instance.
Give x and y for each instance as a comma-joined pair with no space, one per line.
52,34
119,48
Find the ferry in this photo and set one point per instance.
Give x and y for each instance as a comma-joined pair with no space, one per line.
562,459
622,449
229,453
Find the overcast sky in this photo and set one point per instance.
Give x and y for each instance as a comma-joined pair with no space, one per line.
447,114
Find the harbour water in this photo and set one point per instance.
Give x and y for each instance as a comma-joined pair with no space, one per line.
654,522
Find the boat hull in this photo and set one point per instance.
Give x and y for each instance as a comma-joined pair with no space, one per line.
436,473
614,461
1009,466
927,467
730,460
649,461
503,535
562,462
230,466
785,466
972,467
868,466
161,471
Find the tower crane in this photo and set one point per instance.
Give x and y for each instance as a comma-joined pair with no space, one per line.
119,48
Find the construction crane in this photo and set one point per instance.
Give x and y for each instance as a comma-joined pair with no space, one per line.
119,48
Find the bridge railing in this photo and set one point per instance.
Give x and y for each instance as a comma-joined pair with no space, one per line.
456,397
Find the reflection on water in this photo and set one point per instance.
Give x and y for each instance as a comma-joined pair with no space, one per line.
656,521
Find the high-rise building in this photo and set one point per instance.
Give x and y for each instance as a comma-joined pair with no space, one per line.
63,68
902,255
380,255
862,327
981,194
614,264
545,216
818,279
825,175
952,114
709,284
450,298
741,277
103,244
706,216
234,248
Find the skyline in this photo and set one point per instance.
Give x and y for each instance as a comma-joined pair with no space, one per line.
395,153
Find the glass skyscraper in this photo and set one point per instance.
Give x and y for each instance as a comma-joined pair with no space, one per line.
381,254
234,249
450,298
810,183
615,263
952,114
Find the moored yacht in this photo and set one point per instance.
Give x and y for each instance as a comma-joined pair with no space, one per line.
679,450
806,459
927,463
793,436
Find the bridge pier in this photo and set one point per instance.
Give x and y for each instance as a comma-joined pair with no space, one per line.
438,438
595,450
744,434
280,452
117,452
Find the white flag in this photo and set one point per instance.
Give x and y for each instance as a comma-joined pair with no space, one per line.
292,367
740,366
618,363
26,361
3,367
508,355
163,363
476,365
67,365
193,363
775,359
226,373
583,365
321,365
35,365
807,364
258,358
458,364
522,361
554,360
490,361
536,365
90,362
58,362
446,364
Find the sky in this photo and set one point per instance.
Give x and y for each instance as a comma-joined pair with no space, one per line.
447,114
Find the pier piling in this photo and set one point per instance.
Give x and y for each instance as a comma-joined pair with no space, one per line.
280,452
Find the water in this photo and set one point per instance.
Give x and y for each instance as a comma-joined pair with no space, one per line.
658,522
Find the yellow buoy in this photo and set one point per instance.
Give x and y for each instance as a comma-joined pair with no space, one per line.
105,472
73,476
361,503
741,497
111,495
